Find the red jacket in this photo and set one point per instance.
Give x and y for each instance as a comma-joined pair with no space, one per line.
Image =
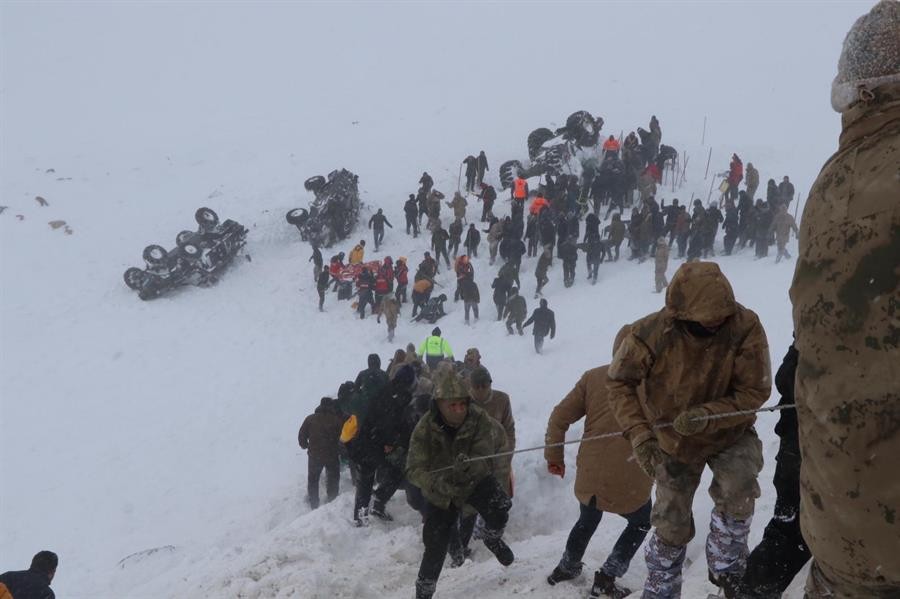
653,171
402,273
736,172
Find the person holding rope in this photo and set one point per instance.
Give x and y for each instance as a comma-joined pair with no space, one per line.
606,480
453,430
702,356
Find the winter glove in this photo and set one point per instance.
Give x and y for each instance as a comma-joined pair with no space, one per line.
691,422
648,454
557,470
460,464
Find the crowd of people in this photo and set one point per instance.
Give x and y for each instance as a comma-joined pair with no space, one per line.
662,412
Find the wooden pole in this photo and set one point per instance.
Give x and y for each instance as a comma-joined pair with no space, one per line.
707,164
703,138
684,169
796,206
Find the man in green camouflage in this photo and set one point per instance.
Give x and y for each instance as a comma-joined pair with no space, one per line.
439,462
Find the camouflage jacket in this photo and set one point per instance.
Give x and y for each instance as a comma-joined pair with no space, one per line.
724,372
434,445
846,302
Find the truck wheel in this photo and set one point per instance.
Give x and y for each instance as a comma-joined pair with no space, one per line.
206,217
155,255
134,278
184,237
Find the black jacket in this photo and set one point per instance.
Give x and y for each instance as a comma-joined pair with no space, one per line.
378,221
410,208
544,322
27,584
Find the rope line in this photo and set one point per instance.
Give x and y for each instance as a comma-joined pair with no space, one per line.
616,434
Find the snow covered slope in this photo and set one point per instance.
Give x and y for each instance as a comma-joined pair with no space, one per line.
128,425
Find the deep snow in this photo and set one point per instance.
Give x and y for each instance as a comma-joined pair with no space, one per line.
129,425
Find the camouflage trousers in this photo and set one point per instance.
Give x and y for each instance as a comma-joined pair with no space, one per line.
825,583
661,281
734,490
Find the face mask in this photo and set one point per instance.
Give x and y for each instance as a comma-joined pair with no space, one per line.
698,330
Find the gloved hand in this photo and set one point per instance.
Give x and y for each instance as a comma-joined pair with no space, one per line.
460,464
691,422
648,454
557,469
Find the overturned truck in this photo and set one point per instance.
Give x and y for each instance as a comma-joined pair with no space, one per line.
198,258
334,212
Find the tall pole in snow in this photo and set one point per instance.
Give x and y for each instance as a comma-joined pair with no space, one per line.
707,164
703,138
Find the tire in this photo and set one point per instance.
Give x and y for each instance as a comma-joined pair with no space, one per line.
155,255
536,139
206,217
314,184
184,237
294,216
191,250
508,171
134,278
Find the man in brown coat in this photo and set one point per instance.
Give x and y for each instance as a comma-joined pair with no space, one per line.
607,479
390,309
703,355
320,436
783,224
497,405
751,179
845,294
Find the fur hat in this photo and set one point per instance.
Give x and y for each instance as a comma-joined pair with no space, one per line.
870,56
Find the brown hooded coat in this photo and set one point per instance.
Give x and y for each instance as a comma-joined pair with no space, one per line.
846,298
725,372
605,468
783,224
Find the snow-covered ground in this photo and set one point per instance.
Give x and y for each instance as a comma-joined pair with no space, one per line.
129,425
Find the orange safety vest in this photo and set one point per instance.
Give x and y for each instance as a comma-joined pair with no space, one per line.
519,186
611,144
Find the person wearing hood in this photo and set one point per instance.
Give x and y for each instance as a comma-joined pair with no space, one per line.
615,231
661,264
379,447
471,164
762,226
411,211
782,224
358,253
481,167
845,295
426,182
544,324
751,180
447,437
435,348
390,309
320,436
701,356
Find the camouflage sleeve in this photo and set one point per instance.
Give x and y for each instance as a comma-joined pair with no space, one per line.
630,365
751,381
566,412
417,458
502,464
509,427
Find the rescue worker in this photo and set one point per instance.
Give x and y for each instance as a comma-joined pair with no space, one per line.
411,210
531,234
471,164
320,436
458,203
451,432
735,176
365,284
401,274
317,261
322,283
611,146
494,235
615,232
782,224
515,310
544,323
335,268
426,182
607,479
661,264
468,290
358,253
482,167
845,295
501,287
421,294
519,192
439,238
540,271
390,309
435,349
670,350
455,231
568,253
786,192
682,230
487,196
751,180
377,223
472,241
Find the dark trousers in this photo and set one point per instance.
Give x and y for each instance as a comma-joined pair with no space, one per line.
332,467
782,553
538,343
411,222
568,272
532,246
321,297
762,247
389,478
488,499
454,246
593,269
486,211
400,293
365,298
625,547
682,244
729,240
414,497
379,237
500,306
442,251
473,306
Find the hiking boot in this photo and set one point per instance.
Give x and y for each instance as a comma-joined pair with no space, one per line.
605,586
561,573
379,512
729,582
500,550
